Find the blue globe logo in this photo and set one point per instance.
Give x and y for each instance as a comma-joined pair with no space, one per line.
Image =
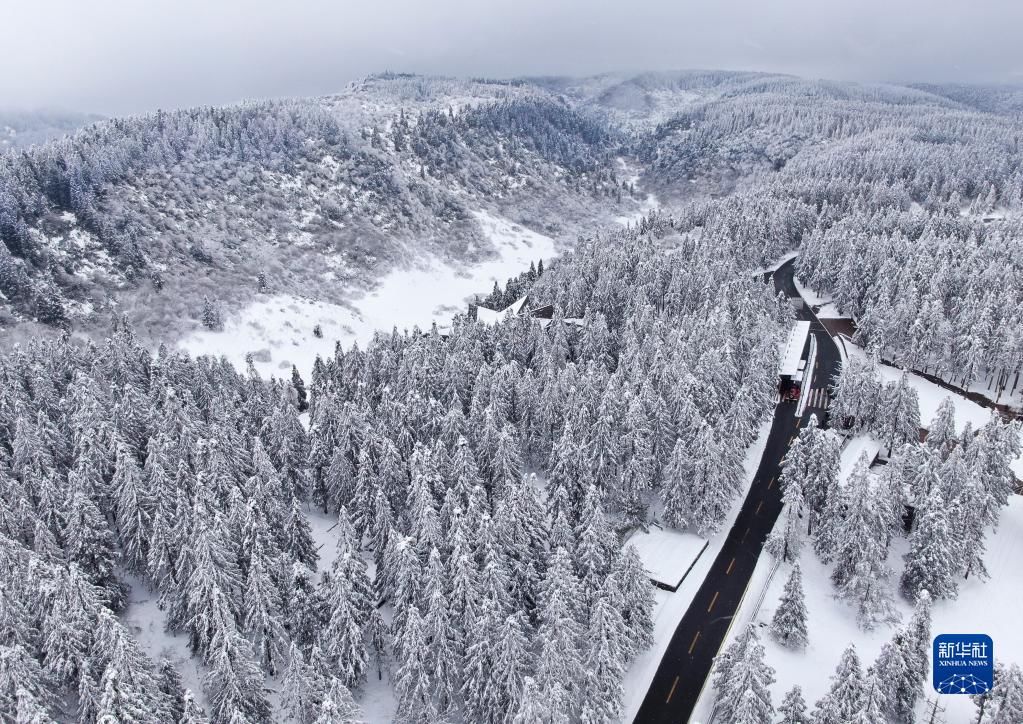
962,684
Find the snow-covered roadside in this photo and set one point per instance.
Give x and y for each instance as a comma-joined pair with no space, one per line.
776,264
983,607
827,309
671,607
809,296
278,330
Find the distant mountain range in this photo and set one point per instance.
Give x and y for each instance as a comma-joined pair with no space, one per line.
147,215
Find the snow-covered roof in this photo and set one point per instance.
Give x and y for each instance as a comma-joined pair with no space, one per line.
492,317
793,351
577,321
667,554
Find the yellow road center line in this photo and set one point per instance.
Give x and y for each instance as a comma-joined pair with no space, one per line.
672,692
770,483
713,601
761,505
693,645
728,571
744,535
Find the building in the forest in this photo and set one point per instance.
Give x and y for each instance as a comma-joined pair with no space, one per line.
520,307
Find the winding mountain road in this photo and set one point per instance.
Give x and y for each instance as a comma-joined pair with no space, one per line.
688,659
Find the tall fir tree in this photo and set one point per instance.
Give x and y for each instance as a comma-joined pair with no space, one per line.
788,626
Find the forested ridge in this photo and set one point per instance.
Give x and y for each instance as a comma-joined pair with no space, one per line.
172,198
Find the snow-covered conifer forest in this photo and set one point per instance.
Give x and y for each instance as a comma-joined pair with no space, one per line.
431,523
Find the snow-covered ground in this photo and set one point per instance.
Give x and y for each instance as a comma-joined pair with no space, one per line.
278,330
931,395
773,266
990,607
649,202
147,623
376,698
671,607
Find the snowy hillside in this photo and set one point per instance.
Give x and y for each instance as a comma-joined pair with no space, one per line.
279,331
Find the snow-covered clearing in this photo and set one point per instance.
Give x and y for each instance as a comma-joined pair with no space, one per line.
671,607
278,330
649,202
990,607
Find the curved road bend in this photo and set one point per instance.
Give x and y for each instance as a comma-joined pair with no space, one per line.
688,658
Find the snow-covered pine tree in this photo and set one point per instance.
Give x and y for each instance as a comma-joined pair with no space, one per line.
675,488
713,482
413,682
793,707
595,547
742,693
438,631
788,626
871,711
932,560
1004,703
899,413
170,685
134,509
846,696
605,658
892,666
302,687
234,681
343,642
786,538
262,609
193,713
857,394
822,465
560,670
636,596
860,572
941,435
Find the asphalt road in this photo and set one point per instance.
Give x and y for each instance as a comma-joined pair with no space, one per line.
688,658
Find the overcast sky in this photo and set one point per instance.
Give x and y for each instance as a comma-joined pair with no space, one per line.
121,56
